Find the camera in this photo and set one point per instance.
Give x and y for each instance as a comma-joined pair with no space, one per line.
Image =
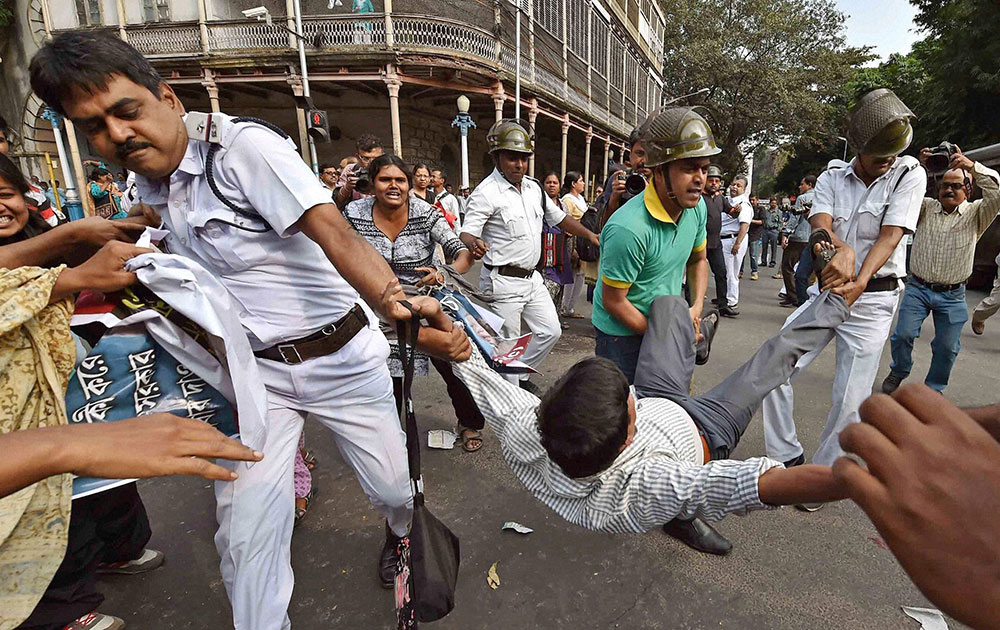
364,184
635,182
941,156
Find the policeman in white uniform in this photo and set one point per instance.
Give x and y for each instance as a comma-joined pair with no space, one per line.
735,225
503,226
867,207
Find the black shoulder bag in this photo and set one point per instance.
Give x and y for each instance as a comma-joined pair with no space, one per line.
427,570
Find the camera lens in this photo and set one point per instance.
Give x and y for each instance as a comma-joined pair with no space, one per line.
635,184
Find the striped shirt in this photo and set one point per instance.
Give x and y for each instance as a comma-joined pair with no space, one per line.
658,477
944,243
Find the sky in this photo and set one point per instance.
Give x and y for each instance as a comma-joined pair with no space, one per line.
885,24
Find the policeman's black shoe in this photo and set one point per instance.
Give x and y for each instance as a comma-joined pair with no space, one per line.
709,325
729,311
891,383
698,535
530,387
387,559
798,461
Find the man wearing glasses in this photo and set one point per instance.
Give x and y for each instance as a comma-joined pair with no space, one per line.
940,262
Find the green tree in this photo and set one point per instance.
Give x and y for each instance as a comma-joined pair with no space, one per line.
775,69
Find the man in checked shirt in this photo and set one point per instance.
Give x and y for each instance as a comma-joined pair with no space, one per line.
615,458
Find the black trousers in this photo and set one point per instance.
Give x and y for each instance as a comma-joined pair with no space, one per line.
791,255
717,262
466,411
110,526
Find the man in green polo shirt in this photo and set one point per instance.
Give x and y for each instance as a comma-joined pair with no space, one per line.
650,241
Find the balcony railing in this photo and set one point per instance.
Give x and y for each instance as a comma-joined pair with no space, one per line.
351,33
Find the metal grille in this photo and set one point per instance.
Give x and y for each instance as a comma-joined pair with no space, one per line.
245,35
617,54
446,35
599,30
641,91
548,15
576,27
166,40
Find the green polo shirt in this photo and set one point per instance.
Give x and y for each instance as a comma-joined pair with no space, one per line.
645,251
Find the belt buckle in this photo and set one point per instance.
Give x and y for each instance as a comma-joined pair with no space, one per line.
288,361
328,330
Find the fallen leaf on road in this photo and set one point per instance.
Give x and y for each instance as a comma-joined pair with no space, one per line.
492,578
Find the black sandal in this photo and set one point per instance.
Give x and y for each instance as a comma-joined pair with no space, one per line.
300,512
709,325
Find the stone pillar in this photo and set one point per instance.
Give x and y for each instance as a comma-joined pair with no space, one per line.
122,20
393,83
390,35
586,161
498,98
604,167
295,82
81,175
212,88
532,117
203,25
565,137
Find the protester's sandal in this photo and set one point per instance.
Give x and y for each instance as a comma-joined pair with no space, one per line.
820,260
309,458
300,512
709,324
472,440
149,560
95,621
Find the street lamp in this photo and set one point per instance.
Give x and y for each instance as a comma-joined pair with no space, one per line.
674,100
464,122
845,146
74,208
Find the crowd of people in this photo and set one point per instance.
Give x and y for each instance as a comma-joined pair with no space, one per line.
322,268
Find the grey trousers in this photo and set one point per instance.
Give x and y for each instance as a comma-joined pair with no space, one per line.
666,364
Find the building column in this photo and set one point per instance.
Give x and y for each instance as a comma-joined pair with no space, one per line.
586,160
565,137
604,167
203,25
532,117
81,175
122,20
390,33
393,83
498,98
295,82
212,88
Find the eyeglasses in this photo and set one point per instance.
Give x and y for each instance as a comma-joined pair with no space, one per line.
956,186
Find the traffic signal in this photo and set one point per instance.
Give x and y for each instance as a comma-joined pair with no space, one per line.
319,125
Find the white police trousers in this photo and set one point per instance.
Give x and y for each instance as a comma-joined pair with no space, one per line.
349,391
734,265
860,341
527,299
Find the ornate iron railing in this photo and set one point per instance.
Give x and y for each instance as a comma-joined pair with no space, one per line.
173,38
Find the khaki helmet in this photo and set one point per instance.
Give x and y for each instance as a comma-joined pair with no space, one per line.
714,171
880,124
508,135
676,133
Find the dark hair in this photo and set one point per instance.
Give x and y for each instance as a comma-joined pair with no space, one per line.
4,128
86,60
325,165
385,161
36,224
810,179
97,173
583,419
633,137
444,175
367,142
421,165
571,178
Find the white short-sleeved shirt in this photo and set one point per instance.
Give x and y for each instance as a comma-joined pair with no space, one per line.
283,280
730,223
510,220
860,211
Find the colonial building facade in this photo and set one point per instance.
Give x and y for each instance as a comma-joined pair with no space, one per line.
589,70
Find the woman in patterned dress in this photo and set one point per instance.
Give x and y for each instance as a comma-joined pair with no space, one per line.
405,230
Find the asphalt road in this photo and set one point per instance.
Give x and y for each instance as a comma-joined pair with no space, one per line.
789,570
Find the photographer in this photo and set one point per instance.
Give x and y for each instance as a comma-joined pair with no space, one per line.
354,182
941,261
616,190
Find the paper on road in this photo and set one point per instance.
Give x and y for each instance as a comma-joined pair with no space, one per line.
929,618
441,439
517,527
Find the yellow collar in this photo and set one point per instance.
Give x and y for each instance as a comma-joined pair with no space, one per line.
654,206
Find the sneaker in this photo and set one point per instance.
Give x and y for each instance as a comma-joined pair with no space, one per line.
754,276
729,311
891,383
149,560
773,264
95,621
978,327
809,507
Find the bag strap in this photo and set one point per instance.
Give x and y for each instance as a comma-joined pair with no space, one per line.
406,333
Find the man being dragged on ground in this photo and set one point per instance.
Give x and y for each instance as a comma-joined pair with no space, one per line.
615,458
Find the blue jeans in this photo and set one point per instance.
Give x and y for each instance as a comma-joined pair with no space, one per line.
771,242
950,314
623,350
753,253
802,273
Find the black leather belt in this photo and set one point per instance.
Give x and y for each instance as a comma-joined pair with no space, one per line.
876,285
728,235
327,340
936,287
511,271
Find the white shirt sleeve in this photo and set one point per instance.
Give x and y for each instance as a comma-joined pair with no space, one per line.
478,210
823,193
905,201
746,212
272,176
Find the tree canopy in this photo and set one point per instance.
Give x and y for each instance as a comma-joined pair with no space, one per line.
775,69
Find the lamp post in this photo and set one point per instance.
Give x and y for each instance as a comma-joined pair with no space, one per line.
674,100
74,208
845,146
464,122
